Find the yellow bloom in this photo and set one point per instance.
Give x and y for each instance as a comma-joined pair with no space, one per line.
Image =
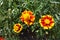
17,28
27,17
46,21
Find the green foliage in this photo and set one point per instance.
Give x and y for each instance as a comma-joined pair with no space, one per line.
10,11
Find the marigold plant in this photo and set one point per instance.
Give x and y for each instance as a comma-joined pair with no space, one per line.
46,21
17,28
27,17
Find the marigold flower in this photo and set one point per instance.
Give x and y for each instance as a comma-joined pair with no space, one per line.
27,17
1,38
17,28
46,21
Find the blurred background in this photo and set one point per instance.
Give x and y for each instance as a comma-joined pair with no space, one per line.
10,11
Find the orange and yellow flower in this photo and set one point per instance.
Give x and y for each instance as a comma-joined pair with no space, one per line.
27,17
17,28
46,21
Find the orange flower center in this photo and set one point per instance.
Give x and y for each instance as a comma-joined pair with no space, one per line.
17,28
47,21
26,16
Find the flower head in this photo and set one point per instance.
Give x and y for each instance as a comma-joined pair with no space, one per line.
27,17
46,21
1,38
17,28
